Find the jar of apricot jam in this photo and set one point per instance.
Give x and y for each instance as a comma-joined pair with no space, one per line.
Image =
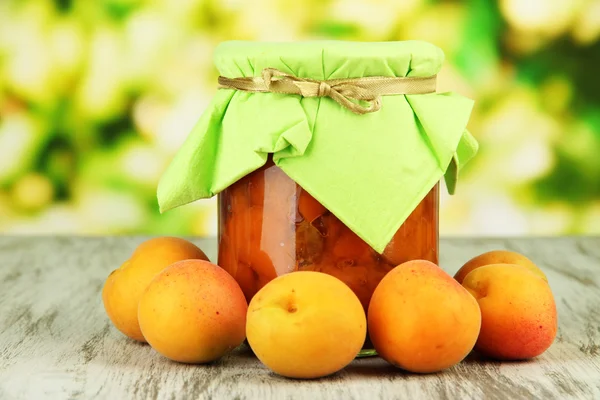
270,226
364,117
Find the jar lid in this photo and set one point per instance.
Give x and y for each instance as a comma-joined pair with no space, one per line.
370,169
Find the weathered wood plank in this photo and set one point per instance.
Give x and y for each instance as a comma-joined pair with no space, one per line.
56,342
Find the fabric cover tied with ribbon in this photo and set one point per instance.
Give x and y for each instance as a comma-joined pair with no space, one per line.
368,89
358,125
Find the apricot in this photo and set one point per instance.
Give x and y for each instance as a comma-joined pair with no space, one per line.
498,257
193,312
413,241
422,320
244,235
417,237
264,239
125,285
518,312
306,325
349,246
309,208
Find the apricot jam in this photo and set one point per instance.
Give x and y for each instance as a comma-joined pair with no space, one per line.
269,226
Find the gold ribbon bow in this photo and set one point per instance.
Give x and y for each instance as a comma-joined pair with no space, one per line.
349,92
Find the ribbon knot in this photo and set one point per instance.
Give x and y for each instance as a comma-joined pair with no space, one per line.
359,95
324,89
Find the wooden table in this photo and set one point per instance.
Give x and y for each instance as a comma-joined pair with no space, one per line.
56,341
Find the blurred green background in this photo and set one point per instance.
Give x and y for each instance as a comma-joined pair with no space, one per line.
96,97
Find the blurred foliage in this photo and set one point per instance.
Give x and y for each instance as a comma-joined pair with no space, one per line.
96,97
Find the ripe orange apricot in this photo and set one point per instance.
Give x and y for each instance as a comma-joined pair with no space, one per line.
498,257
306,325
422,320
193,312
125,285
518,311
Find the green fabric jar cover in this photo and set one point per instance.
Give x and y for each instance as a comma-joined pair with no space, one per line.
370,170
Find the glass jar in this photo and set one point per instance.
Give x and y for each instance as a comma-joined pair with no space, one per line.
269,226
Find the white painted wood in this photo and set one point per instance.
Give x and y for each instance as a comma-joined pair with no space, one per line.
56,341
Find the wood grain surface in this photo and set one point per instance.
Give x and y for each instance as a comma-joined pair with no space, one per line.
56,341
